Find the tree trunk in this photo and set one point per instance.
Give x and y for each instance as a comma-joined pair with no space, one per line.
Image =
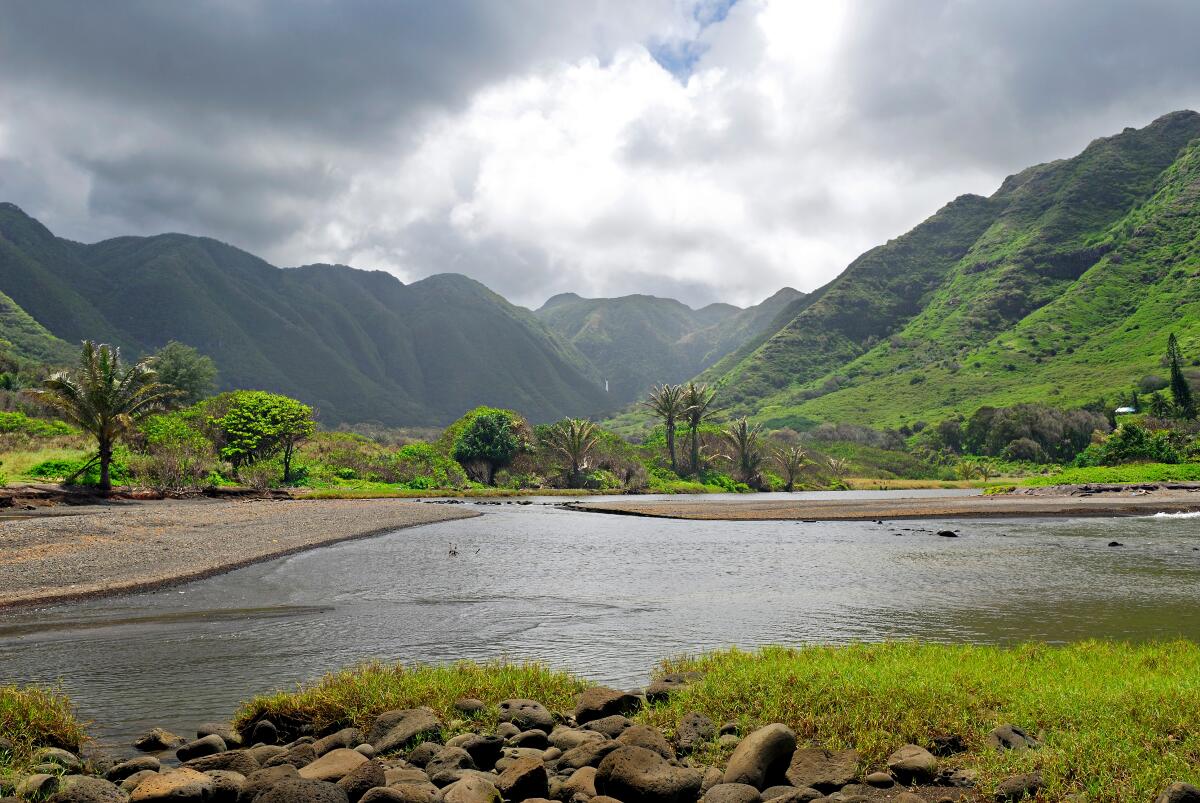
490,472
671,445
287,463
696,450
105,465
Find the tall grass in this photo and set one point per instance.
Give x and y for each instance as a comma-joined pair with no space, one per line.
1134,472
36,716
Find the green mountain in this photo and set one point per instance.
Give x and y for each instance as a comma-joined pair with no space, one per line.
359,345
1060,287
23,337
637,341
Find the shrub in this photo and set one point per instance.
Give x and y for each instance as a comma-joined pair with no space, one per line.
1130,443
37,427
58,469
1025,449
176,457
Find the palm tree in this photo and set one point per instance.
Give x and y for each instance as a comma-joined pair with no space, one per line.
573,439
697,403
839,467
105,398
743,438
666,402
791,461
967,469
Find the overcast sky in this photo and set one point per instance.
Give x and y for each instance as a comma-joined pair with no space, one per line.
689,149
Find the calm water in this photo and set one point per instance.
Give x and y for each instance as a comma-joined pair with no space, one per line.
606,596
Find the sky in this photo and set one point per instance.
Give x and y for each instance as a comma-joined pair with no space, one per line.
697,149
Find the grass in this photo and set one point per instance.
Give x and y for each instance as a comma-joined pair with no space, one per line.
876,484
17,463
1134,472
36,716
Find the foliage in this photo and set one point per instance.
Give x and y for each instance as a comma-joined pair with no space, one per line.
257,425
488,440
1181,390
1131,472
573,440
697,401
34,716
791,459
1130,443
84,471
185,370
745,441
667,404
175,456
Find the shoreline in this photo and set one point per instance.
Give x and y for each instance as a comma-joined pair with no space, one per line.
118,547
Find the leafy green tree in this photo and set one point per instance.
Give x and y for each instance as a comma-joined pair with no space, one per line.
258,425
192,374
697,408
791,461
490,440
572,439
666,402
1181,391
744,439
105,398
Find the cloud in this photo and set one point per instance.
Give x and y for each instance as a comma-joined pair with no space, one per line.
707,150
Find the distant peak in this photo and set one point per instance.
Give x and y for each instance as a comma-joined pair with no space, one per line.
560,299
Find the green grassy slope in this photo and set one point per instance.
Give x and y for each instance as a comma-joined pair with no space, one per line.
22,336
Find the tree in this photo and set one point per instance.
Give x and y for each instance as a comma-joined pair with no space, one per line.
1181,391
190,373
666,402
839,467
491,439
697,405
1159,406
745,440
791,461
258,425
105,398
573,439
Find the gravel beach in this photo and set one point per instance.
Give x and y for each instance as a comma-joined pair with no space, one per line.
130,546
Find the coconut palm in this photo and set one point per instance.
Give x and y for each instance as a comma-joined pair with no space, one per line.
791,461
666,402
697,403
105,398
573,439
839,467
744,439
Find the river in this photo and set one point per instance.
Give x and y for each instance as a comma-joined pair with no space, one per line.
605,596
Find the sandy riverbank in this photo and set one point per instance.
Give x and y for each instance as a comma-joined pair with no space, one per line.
1044,502
130,546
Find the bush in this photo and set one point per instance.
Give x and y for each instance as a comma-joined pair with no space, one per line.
20,423
62,469
1025,449
1129,444
177,457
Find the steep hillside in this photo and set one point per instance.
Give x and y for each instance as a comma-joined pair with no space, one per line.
1051,245
637,341
22,336
360,345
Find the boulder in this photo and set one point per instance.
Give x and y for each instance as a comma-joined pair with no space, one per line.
156,740
333,766
762,757
239,761
484,749
912,764
668,684
693,730
131,783
204,746
423,753
879,780
1180,793
261,780
535,739
365,749
303,790
588,754
732,793
514,754
400,793
712,777
792,794
346,737
299,756
228,735
363,778
471,789
406,775
58,757
119,772
551,754
1010,737
81,789
401,728
227,785
822,769
506,730
908,797
178,786
39,784
612,727
470,707
599,702
566,739
582,782
634,774
526,714
525,778
444,768
1018,787
649,738
262,753
264,732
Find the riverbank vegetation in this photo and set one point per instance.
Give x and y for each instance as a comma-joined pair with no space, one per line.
32,717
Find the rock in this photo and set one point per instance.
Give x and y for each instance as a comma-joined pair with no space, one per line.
299,756
1018,787
399,729
908,797
514,754
530,738
365,749
588,754
406,775
264,732
401,793
361,779
470,707
119,772
762,756
712,777
506,730
81,789
912,764
263,753
156,740
599,702
551,754
729,740
947,745
1180,793
178,786
961,777
261,780
40,784
525,778
730,728
732,793
423,753
484,749
649,738
228,735
822,769
131,783
346,737
1115,543
612,727
947,534
526,714
239,761
59,757
443,769
303,790
227,785
879,780
582,782
333,766
791,794
668,684
634,774
471,789
204,746
566,739
694,729
1010,737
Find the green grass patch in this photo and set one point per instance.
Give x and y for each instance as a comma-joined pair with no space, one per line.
32,717
18,464
1133,472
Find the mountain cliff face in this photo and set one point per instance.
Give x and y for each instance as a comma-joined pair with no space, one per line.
637,341
1060,287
